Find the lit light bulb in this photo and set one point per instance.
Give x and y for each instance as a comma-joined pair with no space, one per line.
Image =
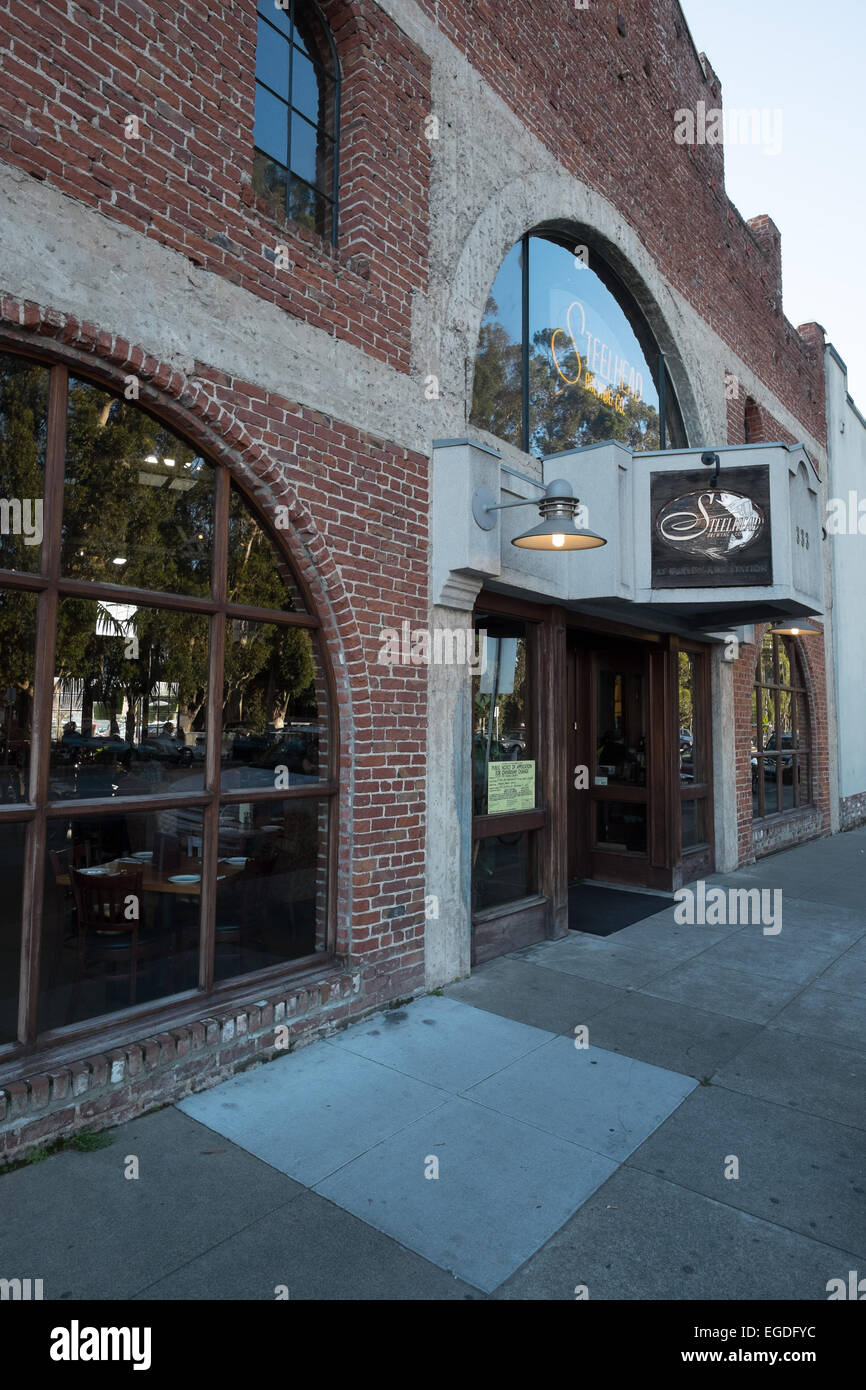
557,540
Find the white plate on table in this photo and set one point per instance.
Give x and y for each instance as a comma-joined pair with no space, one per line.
99,870
184,878
142,855
238,860
269,829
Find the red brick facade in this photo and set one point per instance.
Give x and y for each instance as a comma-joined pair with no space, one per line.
599,88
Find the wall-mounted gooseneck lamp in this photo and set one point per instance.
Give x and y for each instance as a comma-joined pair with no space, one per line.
556,530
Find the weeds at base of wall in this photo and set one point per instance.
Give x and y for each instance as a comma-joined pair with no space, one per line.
85,1141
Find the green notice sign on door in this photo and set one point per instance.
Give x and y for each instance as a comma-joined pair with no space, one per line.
510,787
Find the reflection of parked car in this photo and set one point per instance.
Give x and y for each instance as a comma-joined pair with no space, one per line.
515,744
170,751
74,749
786,759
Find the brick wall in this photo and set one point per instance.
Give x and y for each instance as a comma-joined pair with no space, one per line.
73,73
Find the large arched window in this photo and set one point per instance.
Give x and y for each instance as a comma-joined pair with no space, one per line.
565,359
166,749
297,115
781,754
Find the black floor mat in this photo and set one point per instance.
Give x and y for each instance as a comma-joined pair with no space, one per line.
603,911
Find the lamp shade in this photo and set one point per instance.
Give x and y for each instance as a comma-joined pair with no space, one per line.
794,628
556,530
558,533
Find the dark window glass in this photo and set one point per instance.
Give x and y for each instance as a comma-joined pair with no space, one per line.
258,576
17,670
781,748
622,825
121,921
271,909
503,869
12,840
23,430
296,116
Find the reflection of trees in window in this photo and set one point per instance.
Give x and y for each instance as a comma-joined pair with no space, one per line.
517,387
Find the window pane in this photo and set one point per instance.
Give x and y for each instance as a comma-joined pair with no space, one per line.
304,145
273,907
258,576
502,725
772,785
588,377
12,839
274,702
138,504
621,724
270,181
278,15
121,921
693,815
17,665
691,766
766,667
271,130
23,430
497,388
503,869
305,87
130,694
786,671
272,60
621,825
309,207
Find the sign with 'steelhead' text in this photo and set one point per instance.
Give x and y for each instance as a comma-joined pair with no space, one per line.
711,537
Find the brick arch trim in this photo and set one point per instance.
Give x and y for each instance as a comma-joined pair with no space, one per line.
196,413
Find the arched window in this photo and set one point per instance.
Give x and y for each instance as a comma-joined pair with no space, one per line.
297,115
166,748
565,359
781,748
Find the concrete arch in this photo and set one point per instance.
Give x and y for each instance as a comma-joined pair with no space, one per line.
557,202
195,413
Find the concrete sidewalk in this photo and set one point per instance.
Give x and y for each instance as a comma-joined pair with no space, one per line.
464,1147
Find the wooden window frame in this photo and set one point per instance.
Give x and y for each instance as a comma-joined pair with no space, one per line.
770,692
49,585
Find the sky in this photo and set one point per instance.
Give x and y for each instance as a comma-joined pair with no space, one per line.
805,60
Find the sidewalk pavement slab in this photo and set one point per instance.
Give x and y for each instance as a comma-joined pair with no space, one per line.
602,1101
598,958
804,1073
801,1172
528,993
310,1112
316,1251
503,1189
441,1041
721,989
642,1237
87,1231
691,1041
827,1014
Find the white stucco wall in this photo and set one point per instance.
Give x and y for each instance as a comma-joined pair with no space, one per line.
846,445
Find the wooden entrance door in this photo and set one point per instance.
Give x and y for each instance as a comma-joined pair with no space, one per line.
618,818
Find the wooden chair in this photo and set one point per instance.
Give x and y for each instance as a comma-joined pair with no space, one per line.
104,930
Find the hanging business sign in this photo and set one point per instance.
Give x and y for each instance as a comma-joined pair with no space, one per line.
711,537
510,787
